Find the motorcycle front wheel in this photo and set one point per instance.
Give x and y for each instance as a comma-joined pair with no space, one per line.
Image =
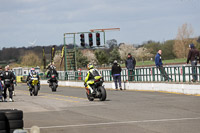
89,97
35,91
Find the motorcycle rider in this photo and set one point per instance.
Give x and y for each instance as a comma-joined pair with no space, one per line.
1,86
8,78
1,72
30,75
52,71
92,75
13,83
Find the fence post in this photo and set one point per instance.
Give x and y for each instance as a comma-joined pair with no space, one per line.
76,75
171,73
110,75
189,73
179,74
174,74
183,72
198,74
103,75
66,75
81,75
149,75
153,73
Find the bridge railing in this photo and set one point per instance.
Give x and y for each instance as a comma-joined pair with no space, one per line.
142,74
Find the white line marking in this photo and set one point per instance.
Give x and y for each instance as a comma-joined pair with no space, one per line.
122,122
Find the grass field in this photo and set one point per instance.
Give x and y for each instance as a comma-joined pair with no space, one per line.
172,61
152,63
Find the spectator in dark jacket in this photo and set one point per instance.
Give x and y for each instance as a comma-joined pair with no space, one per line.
159,65
1,86
193,57
116,73
130,65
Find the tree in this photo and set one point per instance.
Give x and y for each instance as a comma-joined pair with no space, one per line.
114,55
90,55
142,54
153,47
183,40
101,56
111,43
198,40
124,49
31,59
167,49
57,60
81,60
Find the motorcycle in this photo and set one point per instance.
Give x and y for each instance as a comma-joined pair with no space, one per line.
53,83
34,86
99,91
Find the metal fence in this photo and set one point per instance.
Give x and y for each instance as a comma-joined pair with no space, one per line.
143,74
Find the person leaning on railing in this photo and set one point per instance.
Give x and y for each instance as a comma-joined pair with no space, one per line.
159,65
130,65
193,57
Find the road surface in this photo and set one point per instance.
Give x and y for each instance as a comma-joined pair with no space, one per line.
68,111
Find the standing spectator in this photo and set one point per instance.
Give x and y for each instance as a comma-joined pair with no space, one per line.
116,73
159,65
130,65
1,86
1,72
13,82
193,57
8,76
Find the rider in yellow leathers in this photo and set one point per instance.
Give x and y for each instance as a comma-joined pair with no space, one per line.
92,75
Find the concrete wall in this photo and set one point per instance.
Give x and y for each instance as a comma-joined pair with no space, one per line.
191,89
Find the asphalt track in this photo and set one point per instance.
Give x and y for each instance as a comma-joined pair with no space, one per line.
68,111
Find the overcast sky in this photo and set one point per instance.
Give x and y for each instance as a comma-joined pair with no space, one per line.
45,21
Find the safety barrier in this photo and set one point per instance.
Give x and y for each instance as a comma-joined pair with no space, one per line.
143,74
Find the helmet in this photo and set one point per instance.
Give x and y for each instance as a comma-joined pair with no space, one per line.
191,45
90,66
51,67
7,67
32,69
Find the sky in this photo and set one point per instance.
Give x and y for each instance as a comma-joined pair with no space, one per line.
43,22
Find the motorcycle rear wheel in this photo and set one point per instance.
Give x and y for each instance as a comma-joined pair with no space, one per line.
53,87
102,93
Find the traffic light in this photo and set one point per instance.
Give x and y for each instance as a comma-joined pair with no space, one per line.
98,39
82,40
90,39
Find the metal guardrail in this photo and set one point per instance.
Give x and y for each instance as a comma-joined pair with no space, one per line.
145,74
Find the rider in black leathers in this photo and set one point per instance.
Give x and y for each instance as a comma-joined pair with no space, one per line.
8,78
52,71
1,85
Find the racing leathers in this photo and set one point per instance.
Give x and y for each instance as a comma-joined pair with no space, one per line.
8,78
29,79
52,74
1,85
92,75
